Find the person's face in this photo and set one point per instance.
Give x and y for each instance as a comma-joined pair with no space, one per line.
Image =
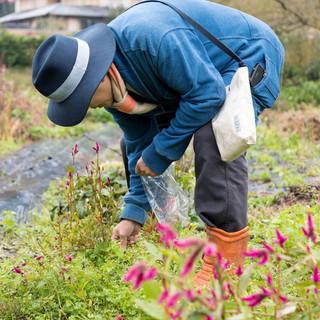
103,95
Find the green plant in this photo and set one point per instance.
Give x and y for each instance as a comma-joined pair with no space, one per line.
227,296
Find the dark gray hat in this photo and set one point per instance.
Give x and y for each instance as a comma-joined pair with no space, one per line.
68,70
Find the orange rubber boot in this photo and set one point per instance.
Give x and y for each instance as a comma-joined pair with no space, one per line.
231,246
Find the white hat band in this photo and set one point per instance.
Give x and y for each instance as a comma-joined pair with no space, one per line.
76,74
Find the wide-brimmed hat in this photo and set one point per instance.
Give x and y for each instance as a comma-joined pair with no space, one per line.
68,70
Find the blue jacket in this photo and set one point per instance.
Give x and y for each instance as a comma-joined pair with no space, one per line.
169,63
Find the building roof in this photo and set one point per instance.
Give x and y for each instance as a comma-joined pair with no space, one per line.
58,9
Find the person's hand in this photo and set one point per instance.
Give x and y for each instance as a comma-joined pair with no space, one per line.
143,170
126,231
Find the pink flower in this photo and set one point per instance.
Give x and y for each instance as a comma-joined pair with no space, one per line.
190,295
69,257
139,273
281,239
213,293
269,279
173,300
150,274
254,299
190,262
17,270
316,274
239,271
96,148
210,249
269,248
38,257
230,289
308,249
119,317
208,317
309,232
227,290
283,298
74,150
168,234
23,263
186,243
261,254
223,263
163,296
176,315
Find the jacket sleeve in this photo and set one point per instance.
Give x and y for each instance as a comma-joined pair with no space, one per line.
184,65
138,134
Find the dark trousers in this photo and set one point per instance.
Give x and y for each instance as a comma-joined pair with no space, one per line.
221,191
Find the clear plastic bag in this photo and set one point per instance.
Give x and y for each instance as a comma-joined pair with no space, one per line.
167,199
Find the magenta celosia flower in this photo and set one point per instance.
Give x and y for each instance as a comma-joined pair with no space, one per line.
208,317
215,273
269,279
227,290
210,249
176,315
163,296
256,298
168,235
190,295
230,289
308,249
190,262
316,274
278,257
150,274
69,257
186,243
119,317
223,263
96,148
74,150
268,247
281,239
38,257
139,273
239,271
23,263
17,270
173,300
316,291
309,232
281,297
261,254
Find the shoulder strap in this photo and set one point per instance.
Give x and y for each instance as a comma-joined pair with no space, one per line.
203,30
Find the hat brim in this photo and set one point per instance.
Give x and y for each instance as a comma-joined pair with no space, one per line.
102,45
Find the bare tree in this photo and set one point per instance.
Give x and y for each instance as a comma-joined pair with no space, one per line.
294,14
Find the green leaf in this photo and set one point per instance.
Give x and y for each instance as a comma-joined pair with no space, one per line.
152,309
153,251
152,289
244,279
288,308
